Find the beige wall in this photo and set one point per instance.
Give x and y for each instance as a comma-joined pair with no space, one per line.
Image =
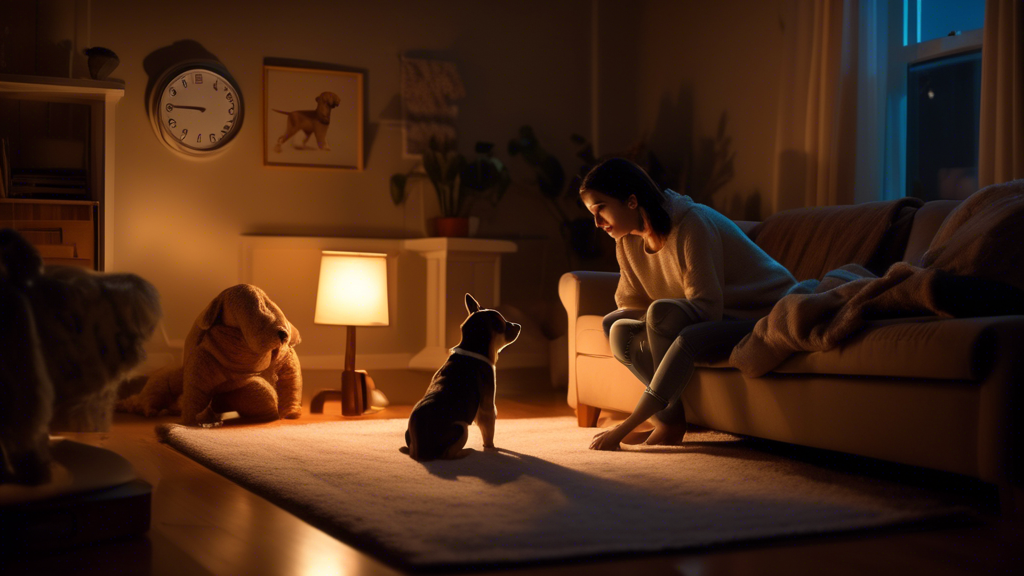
667,71
177,221
694,60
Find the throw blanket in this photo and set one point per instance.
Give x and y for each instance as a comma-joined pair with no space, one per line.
974,266
811,241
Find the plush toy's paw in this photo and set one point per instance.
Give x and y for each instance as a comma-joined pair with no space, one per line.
208,418
291,414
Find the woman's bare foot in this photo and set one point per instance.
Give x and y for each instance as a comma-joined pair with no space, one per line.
669,426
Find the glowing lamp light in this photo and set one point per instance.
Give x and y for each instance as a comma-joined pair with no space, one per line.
352,291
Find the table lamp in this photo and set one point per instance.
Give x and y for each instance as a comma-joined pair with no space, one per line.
353,291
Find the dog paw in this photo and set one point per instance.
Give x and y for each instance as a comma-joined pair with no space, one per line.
216,424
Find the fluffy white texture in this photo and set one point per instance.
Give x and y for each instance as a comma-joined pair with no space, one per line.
541,494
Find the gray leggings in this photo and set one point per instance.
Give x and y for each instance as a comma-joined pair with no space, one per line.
661,346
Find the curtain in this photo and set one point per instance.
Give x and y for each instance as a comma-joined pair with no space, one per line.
1001,135
815,139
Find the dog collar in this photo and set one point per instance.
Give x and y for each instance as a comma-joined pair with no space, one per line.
481,357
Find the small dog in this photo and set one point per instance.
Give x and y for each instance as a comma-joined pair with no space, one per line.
462,390
239,356
67,336
312,122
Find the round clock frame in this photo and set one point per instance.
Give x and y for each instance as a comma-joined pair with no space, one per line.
197,98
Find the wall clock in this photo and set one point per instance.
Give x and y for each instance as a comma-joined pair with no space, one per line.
196,108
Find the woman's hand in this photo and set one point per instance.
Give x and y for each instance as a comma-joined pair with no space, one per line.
607,440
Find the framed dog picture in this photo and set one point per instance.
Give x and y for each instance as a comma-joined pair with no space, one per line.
312,117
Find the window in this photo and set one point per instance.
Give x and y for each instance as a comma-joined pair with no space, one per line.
943,109
930,141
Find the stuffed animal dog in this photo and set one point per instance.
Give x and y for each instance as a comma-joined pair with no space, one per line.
67,335
311,122
462,389
239,356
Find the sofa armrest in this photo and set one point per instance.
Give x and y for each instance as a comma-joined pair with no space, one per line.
584,293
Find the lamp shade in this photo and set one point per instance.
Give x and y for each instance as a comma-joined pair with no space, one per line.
353,289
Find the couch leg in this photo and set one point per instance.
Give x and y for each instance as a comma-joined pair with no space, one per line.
586,416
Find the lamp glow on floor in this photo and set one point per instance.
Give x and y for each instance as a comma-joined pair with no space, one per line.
352,291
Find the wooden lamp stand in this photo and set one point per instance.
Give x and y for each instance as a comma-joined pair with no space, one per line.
353,384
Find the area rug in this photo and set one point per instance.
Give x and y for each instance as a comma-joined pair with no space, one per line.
541,494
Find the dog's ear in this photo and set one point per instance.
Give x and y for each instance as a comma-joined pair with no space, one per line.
471,304
212,312
20,262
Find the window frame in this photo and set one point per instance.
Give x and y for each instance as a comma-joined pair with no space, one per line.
898,57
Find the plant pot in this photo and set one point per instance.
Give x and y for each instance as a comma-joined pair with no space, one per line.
451,227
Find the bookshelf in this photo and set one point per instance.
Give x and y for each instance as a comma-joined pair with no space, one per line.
60,186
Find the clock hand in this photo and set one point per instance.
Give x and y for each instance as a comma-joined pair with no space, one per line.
200,108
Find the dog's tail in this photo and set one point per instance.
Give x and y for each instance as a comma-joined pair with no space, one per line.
280,111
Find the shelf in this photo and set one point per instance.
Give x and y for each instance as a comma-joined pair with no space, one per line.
79,88
75,102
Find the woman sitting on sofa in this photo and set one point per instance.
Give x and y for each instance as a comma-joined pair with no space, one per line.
684,269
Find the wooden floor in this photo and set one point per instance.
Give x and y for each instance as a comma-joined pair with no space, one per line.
204,524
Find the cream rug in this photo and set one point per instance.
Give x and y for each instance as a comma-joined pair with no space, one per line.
541,494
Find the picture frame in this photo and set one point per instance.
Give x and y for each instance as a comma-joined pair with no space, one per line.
430,88
313,116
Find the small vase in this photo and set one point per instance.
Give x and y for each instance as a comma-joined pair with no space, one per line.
451,226
102,62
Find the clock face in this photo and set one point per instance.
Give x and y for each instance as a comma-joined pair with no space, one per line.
196,111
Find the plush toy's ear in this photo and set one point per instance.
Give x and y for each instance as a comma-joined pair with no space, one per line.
211,313
294,339
20,262
471,304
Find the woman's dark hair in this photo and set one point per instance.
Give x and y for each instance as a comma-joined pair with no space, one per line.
621,178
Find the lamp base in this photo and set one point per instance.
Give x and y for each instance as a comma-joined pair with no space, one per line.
353,395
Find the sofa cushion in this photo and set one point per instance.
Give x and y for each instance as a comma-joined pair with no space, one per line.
590,338
927,220
811,241
927,347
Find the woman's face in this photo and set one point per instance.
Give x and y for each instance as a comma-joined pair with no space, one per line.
613,216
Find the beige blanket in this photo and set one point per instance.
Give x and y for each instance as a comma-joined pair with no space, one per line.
981,241
811,241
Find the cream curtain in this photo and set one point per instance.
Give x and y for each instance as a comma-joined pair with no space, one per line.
815,138
1001,136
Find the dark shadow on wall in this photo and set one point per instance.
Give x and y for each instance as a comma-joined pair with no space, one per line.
673,134
700,165
160,60
740,205
618,77
792,184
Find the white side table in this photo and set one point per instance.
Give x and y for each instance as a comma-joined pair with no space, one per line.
455,266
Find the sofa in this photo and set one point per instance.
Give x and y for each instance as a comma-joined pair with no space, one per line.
928,391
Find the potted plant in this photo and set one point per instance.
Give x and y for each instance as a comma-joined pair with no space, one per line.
456,181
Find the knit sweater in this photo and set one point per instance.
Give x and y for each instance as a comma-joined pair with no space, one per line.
707,263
